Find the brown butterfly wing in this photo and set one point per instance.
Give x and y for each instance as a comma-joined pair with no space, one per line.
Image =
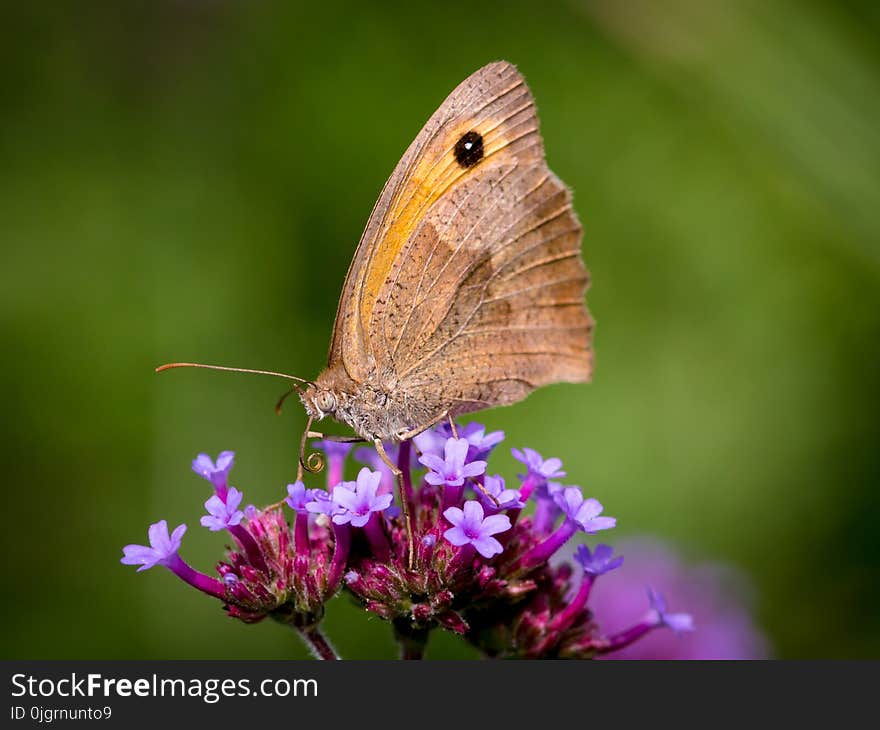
516,317
424,174
467,288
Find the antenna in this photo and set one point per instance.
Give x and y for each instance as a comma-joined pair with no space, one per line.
224,368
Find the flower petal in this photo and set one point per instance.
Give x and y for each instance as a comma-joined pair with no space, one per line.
495,524
454,516
456,536
433,462
346,498
473,512
589,509
487,546
475,468
225,461
233,499
599,523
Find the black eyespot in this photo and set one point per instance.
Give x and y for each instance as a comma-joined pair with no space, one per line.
469,149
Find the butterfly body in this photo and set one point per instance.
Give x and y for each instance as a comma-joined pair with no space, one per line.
467,288
373,409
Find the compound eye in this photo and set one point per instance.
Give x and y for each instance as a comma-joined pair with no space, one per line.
326,401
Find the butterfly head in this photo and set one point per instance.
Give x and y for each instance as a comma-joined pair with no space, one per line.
319,402
326,396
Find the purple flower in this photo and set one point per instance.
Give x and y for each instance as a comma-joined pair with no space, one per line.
716,595
163,547
368,456
223,514
470,527
322,503
599,561
480,443
357,500
452,470
659,616
298,497
432,441
504,498
539,468
583,512
550,490
217,473
580,514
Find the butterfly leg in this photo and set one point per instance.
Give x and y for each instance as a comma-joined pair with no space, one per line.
407,435
401,490
337,439
452,426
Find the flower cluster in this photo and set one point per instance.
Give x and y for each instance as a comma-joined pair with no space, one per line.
479,565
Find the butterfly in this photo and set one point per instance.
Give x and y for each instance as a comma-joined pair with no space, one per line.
467,288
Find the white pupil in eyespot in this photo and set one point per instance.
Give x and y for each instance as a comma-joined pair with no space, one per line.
468,145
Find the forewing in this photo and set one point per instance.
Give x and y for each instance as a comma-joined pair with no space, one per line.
495,102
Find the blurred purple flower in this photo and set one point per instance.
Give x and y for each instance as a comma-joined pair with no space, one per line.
716,596
333,448
660,616
599,561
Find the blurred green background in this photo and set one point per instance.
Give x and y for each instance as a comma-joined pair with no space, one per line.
188,180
